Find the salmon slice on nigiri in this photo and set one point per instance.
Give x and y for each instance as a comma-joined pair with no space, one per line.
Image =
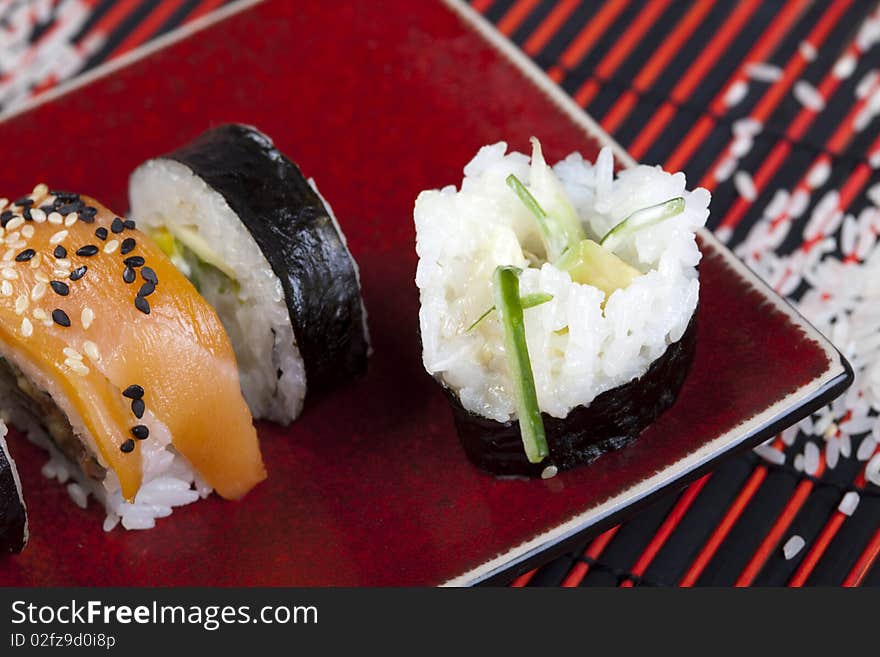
100,328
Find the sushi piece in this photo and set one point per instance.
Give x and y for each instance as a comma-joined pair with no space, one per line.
13,513
558,304
262,246
114,364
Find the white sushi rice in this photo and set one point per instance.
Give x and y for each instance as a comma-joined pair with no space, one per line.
463,235
165,193
169,480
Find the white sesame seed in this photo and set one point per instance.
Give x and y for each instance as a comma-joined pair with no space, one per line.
27,231
792,546
36,260
91,350
55,218
77,366
62,263
39,216
18,244
60,273
72,353
6,289
111,246
39,314
27,329
38,291
58,237
41,277
86,317
9,274
15,222
3,203
40,190
9,255
70,219
21,304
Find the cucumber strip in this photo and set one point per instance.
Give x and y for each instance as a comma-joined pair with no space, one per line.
528,301
595,265
510,313
556,234
643,218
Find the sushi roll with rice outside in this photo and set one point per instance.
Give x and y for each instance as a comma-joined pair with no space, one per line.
112,362
264,248
558,305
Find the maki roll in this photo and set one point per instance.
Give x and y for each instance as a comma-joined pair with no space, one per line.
262,246
111,361
13,513
557,304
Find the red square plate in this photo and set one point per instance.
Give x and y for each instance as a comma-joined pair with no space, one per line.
378,101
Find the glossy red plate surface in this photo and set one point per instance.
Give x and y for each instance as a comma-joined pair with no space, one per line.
378,101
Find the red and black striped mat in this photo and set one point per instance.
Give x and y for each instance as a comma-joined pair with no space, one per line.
769,104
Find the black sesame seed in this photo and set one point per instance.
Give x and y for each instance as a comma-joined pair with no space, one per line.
26,213
142,304
128,245
128,275
59,252
127,446
66,208
25,255
101,233
78,273
64,196
59,288
47,208
129,223
146,289
138,407
87,250
140,431
60,317
24,202
6,217
149,275
134,391
88,214
116,225
134,261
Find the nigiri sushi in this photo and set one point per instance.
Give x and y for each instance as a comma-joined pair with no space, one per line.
113,362
558,304
264,248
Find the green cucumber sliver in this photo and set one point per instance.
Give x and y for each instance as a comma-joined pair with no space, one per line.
643,218
527,301
510,313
